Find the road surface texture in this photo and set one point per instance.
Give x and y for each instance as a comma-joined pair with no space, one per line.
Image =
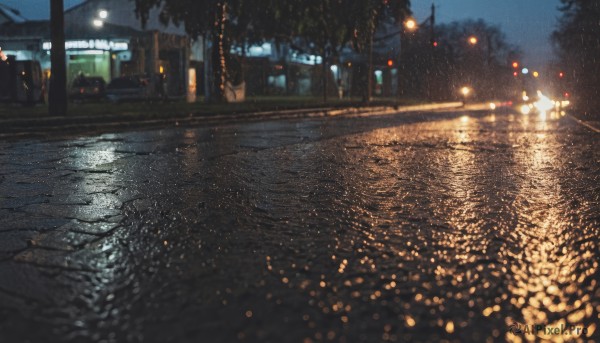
416,227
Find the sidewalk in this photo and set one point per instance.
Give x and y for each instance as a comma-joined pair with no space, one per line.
17,121
177,105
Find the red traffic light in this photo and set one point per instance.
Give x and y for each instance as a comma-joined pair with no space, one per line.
435,43
515,74
561,74
390,63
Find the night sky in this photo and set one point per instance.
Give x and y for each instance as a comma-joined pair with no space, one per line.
527,23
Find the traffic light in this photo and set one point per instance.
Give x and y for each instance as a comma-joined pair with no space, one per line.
515,74
561,74
434,43
390,63
515,65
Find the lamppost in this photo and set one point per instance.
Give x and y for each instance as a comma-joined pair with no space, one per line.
488,69
465,92
410,25
474,41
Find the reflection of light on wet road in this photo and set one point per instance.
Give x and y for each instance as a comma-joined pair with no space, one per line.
547,276
488,203
400,228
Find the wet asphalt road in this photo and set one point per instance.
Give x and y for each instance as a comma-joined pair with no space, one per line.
417,227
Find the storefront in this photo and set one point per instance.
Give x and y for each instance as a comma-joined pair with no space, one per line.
109,51
95,57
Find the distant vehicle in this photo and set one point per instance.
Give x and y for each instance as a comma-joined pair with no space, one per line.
21,81
137,88
128,88
88,88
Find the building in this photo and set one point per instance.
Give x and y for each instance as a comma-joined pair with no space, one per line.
104,38
9,15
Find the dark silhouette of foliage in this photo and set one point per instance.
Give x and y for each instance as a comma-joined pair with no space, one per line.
325,25
577,41
437,73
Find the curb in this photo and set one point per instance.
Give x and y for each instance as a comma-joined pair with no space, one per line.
40,126
586,124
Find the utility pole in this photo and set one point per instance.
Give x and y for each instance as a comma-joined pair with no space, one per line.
370,69
400,67
432,55
432,22
57,96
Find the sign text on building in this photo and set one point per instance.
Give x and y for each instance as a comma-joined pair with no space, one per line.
94,44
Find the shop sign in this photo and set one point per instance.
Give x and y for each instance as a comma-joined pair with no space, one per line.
94,44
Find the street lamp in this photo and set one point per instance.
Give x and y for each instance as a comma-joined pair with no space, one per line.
99,21
473,40
465,92
410,25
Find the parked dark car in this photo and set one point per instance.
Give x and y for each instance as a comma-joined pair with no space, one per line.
88,88
128,88
21,81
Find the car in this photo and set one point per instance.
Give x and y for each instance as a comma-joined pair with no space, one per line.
128,88
88,88
21,81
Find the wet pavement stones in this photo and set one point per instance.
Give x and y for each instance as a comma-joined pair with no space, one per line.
420,227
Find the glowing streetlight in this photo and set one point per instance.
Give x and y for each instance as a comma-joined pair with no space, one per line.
97,23
473,40
525,71
465,92
103,14
410,24
536,74
525,109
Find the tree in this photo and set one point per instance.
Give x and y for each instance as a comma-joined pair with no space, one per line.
438,72
328,25
577,41
210,19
